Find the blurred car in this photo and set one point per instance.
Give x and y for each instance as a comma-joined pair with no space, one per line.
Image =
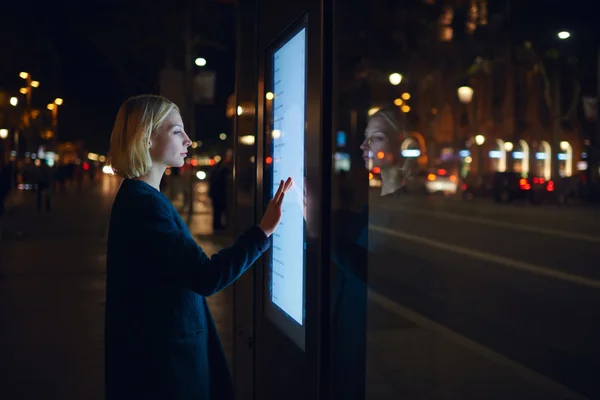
510,186
431,181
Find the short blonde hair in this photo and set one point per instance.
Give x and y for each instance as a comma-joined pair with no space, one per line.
137,121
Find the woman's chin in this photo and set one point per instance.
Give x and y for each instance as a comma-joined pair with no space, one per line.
178,163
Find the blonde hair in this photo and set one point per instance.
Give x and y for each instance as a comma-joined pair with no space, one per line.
137,121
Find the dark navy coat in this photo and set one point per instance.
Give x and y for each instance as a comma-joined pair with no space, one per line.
160,338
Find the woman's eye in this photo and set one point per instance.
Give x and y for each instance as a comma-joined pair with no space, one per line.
177,132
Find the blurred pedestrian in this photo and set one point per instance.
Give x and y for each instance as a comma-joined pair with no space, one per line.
5,186
219,191
44,181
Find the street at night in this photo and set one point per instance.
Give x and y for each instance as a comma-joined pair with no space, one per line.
521,281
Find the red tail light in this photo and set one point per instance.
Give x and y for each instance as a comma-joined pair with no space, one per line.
431,177
550,186
524,185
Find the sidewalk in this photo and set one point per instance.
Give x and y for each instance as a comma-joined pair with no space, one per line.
52,269
52,294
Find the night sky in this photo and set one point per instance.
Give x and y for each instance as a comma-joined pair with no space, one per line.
96,54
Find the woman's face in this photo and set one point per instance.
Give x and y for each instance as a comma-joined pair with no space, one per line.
377,151
169,144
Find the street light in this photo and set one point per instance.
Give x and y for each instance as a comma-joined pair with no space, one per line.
508,146
201,62
564,35
3,133
24,75
465,94
479,139
53,107
395,78
222,136
14,101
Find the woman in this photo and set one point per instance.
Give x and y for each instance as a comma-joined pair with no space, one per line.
160,338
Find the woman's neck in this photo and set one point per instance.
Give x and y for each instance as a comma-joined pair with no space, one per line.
389,180
154,176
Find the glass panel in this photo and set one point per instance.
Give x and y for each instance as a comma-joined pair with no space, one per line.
458,133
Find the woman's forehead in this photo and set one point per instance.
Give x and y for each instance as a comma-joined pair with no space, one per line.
378,124
174,118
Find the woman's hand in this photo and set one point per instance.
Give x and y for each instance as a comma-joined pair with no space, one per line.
272,216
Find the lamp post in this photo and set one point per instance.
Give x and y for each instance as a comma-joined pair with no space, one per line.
27,91
479,141
53,107
465,96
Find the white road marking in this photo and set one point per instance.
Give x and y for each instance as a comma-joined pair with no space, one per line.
502,224
489,257
525,373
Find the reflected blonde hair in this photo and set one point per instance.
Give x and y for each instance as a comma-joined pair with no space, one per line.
137,121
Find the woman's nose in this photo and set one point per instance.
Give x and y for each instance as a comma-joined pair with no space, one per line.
187,142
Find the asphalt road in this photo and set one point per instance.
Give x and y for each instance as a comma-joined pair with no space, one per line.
520,280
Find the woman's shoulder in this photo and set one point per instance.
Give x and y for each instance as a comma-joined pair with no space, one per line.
139,197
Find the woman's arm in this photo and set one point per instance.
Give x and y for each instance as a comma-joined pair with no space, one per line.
175,255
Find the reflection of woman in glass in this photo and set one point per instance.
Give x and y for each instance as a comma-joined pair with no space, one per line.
381,149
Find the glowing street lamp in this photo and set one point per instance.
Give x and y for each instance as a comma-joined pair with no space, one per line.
395,78
465,94
564,35
201,62
14,101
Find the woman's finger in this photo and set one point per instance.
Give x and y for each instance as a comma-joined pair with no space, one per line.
288,184
279,191
280,202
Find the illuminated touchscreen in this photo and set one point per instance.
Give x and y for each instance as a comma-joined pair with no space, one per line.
288,116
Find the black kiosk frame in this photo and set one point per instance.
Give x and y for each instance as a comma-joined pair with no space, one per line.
285,313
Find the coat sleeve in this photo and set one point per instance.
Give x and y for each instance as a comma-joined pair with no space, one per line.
174,255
